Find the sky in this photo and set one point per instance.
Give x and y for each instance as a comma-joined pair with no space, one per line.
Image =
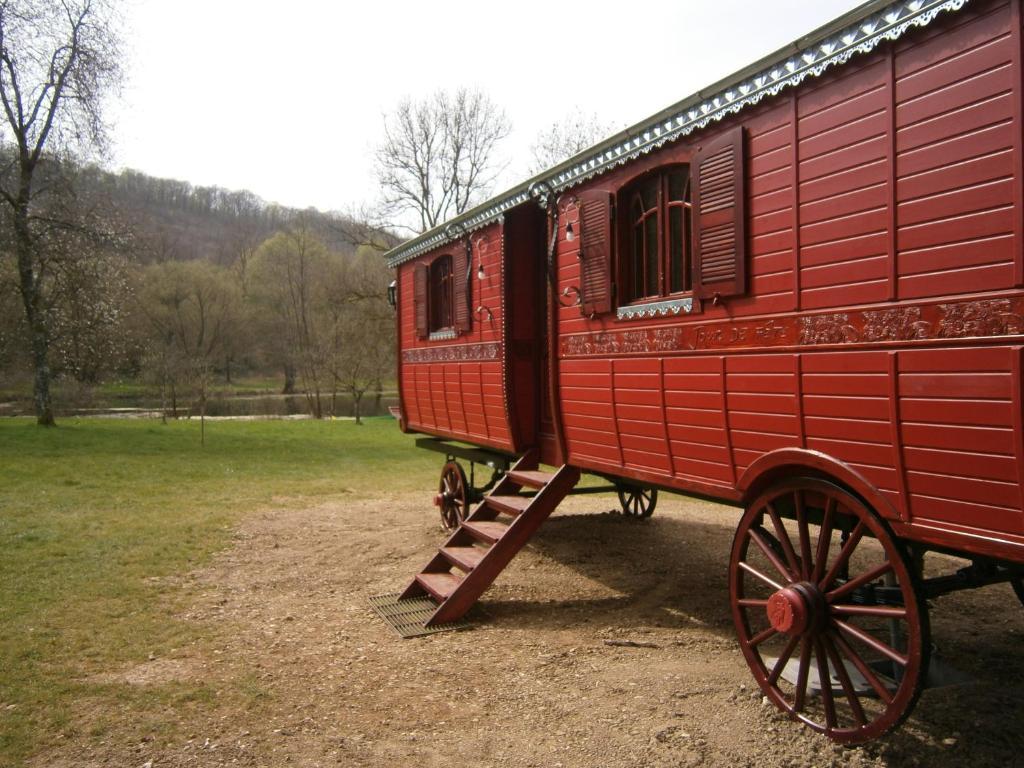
287,100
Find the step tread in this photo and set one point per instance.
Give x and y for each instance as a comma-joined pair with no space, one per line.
530,477
439,585
466,558
512,504
485,529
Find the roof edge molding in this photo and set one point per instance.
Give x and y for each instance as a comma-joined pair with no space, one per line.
859,32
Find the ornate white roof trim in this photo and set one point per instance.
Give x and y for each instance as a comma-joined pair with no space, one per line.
693,114
656,308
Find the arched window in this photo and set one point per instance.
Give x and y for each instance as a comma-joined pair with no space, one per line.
656,259
440,294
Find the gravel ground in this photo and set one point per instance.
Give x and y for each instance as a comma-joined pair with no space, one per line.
533,683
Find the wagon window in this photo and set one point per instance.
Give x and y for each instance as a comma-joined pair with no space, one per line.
439,299
657,257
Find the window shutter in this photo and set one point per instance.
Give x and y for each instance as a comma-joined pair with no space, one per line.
419,299
595,251
460,288
717,174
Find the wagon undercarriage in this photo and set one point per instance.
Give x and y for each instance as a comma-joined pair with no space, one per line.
830,608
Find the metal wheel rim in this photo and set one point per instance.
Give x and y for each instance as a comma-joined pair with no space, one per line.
857,711
637,501
452,492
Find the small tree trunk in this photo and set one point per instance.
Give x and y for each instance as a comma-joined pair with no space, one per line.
34,315
227,369
289,379
202,412
163,400
41,382
357,399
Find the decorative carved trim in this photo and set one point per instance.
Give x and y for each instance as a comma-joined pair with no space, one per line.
697,111
979,318
444,333
655,309
461,353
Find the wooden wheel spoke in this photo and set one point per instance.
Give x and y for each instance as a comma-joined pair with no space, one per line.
832,635
801,678
825,681
881,611
860,581
760,637
804,534
765,547
750,602
872,642
866,672
780,663
758,575
844,680
452,490
824,541
783,538
844,556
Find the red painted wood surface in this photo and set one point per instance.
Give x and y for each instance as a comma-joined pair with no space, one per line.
457,387
896,176
883,323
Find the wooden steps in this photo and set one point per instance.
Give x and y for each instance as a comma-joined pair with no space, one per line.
490,536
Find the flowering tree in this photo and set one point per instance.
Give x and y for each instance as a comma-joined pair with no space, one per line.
58,60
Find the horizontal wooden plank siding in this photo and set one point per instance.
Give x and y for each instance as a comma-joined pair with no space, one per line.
884,210
456,387
955,142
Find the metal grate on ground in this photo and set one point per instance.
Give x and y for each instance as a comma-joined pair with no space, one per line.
409,617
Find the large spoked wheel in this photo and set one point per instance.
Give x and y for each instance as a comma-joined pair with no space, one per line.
821,591
452,495
637,501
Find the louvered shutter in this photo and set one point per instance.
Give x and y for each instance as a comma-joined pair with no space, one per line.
595,251
720,264
460,289
419,299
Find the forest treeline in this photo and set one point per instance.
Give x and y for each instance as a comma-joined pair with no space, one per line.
181,286
124,276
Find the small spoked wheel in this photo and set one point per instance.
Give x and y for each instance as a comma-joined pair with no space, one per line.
828,610
637,501
452,495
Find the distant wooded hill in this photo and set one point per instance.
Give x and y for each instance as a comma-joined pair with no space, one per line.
176,221
161,281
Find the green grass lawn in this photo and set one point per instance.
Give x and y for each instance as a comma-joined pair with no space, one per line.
94,513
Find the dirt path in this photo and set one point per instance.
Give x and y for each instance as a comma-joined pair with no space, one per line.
303,674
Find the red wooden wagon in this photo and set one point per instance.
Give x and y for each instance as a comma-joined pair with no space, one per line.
799,292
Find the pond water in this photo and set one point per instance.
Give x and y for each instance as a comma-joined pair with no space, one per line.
236,406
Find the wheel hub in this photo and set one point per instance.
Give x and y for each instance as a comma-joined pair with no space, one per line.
796,609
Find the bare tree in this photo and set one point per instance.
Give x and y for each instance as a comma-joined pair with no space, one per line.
362,350
570,135
438,157
192,308
58,60
289,282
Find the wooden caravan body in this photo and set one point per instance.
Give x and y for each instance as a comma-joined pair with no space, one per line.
801,288
875,330
472,372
